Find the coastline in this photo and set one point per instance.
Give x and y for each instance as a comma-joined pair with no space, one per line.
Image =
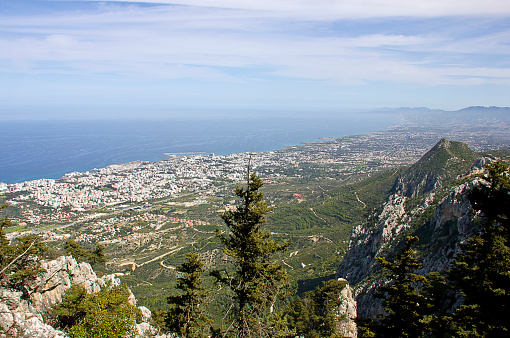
34,151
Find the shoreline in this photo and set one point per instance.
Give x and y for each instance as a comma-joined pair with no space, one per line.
170,155
75,157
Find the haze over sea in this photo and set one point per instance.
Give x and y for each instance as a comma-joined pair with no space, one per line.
49,149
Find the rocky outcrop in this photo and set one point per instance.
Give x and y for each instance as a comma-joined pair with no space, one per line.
47,290
22,312
18,318
452,221
439,214
347,312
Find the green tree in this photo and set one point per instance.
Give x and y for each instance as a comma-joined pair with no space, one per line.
187,317
403,303
73,307
106,314
258,281
439,300
481,271
19,260
93,256
315,314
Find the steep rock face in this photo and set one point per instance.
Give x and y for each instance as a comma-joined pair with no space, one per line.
19,319
347,313
439,214
452,222
368,240
22,312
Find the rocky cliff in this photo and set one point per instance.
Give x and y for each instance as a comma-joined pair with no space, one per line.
22,313
429,200
347,312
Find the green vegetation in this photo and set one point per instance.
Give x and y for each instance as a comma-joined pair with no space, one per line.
106,314
258,281
93,256
482,270
442,164
168,247
19,261
187,317
403,303
469,300
315,313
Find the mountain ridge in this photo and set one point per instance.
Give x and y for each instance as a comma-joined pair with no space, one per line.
430,201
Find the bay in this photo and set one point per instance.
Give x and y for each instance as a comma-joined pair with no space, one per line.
32,150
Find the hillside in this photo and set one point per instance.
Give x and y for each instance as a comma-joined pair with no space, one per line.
428,200
437,168
319,227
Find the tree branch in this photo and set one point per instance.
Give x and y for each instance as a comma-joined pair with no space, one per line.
21,255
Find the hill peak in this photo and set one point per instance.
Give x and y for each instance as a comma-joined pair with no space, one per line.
439,166
443,143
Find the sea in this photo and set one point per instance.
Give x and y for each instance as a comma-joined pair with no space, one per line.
31,150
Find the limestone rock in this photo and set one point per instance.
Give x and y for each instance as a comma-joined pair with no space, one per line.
21,322
444,214
347,313
21,312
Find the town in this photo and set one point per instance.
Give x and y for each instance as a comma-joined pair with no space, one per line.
78,196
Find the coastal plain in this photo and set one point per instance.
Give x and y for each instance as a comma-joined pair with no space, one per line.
149,214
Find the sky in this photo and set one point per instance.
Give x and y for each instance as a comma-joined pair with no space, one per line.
107,59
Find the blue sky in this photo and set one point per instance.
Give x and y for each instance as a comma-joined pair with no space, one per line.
75,59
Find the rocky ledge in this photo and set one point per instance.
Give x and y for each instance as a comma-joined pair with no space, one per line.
22,313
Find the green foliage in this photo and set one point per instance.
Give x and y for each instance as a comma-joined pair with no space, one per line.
481,271
73,307
106,314
439,299
480,276
443,163
92,256
315,313
187,316
258,281
404,305
19,260
336,212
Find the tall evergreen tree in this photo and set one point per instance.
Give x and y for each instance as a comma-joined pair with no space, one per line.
187,317
258,281
481,271
404,305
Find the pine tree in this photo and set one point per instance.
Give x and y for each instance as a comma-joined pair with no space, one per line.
439,299
404,305
315,313
258,281
187,318
481,271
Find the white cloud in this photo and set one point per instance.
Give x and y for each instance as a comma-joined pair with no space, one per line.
353,8
237,41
